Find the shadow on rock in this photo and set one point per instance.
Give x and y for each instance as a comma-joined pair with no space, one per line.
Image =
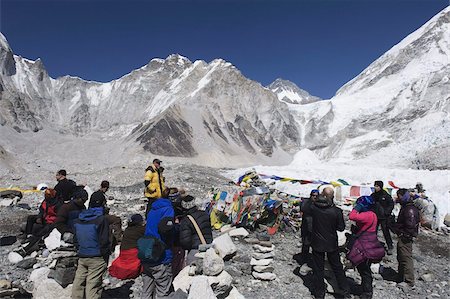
389,274
120,292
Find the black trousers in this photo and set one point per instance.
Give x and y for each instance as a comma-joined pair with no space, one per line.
336,266
366,277
386,233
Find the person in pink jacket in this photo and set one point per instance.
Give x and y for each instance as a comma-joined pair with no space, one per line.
366,248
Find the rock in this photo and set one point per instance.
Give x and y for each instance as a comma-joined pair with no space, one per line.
48,288
263,249
263,262
24,206
342,238
265,243
14,257
68,237
8,240
224,245
10,293
226,228
45,252
53,241
5,284
200,288
220,284
200,255
241,258
428,277
262,269
447,219
6,202
27,263
305,269
263,237
375,268
39,274
34,254
63,276
264,276
183,280
234,294
212,263
239,232
260,256
251,240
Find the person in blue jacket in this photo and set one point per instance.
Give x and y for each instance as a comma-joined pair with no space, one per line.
157,276
92,241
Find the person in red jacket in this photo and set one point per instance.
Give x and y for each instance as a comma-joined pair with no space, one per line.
370,249
46,216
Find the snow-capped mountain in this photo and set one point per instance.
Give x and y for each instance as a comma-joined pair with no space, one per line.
396,111
172,107
290,93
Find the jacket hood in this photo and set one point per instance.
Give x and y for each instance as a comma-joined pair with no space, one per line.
161,203
91,214
322,203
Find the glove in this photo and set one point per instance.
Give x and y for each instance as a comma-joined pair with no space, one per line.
358,207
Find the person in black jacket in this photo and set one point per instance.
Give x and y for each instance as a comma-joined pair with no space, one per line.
327,220
64,188
383,208
189,238
70,211
407,228
98,198
306,227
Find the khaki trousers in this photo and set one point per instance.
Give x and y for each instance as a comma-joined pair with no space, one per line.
88,278
405,260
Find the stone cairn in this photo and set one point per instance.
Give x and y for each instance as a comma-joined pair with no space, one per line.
262,257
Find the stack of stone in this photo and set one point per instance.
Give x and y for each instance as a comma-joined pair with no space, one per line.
262,259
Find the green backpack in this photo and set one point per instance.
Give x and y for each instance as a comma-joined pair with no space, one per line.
150,249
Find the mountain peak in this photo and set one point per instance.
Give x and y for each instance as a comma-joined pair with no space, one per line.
289,92
4,43
178,59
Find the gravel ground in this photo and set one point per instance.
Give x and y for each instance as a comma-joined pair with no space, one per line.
431,249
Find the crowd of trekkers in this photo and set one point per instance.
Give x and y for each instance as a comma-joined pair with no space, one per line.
173,230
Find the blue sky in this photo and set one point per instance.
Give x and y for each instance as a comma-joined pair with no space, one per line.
319,45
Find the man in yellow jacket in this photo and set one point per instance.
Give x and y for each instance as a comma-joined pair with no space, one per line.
154,183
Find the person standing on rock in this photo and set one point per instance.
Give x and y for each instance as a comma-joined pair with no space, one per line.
367,246
306,227
327,220
154,183
190,239
406,228
384,204
91,231
159,231
64,188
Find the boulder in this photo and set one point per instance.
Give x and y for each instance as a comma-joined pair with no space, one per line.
7,240
264,276
14,257
220,284
251,240
212,263
39,274
447,219
239,232
27,263
260,256
49,288
263,262
262,269
200,288
183,280
224,245
263,249
265,243
226,228
63,276
6,202
53,241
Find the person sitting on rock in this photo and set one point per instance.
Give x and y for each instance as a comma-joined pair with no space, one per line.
128,265
65,188
38,224
91,231
70,211
98,198
190,239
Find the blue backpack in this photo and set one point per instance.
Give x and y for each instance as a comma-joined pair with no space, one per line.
150,249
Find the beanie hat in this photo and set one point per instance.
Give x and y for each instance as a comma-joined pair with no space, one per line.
188,202
379,184
315,191
136,219
365,203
